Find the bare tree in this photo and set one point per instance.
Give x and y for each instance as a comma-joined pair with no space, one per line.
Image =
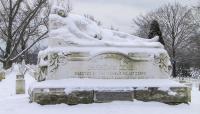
196,46
177,26
21,26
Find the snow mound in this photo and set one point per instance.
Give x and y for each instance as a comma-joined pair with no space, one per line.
79,30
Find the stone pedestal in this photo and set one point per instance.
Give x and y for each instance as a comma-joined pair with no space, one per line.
20,84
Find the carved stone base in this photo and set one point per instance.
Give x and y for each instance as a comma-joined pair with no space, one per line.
173,96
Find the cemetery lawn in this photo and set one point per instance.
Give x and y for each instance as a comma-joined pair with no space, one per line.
10,103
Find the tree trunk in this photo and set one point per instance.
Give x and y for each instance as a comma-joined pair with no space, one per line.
23,47
8,48
173,54
174,74
7,64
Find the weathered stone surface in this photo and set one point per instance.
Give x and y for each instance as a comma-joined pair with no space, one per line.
108,96
104,65
20,86
175,95
80,97
57,96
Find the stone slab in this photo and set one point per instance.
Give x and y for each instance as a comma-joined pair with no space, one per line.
108,96
46,96
175,95
80,97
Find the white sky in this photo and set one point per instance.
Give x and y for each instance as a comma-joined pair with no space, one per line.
119,13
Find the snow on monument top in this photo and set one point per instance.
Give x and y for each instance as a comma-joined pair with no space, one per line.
75,30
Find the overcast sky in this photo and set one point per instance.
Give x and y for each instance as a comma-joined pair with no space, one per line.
119,13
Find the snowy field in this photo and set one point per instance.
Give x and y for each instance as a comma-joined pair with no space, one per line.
19,104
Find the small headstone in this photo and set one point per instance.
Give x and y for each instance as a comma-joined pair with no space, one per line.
20,84
2,75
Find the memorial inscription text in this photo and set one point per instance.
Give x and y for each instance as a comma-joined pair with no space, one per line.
111,65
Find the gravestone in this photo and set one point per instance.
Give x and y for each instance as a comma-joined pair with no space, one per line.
93,64
2,75
20,84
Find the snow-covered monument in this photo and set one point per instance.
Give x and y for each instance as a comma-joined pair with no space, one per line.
85,63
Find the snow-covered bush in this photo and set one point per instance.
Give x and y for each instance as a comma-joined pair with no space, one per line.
195,73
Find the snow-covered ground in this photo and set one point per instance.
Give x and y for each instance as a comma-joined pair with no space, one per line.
10,103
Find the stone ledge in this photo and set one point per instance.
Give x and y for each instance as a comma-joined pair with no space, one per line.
83,97
109,96
174,95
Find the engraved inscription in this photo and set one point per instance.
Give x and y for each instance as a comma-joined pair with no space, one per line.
111,65
110,74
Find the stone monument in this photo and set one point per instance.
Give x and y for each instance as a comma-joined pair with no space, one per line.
85,63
